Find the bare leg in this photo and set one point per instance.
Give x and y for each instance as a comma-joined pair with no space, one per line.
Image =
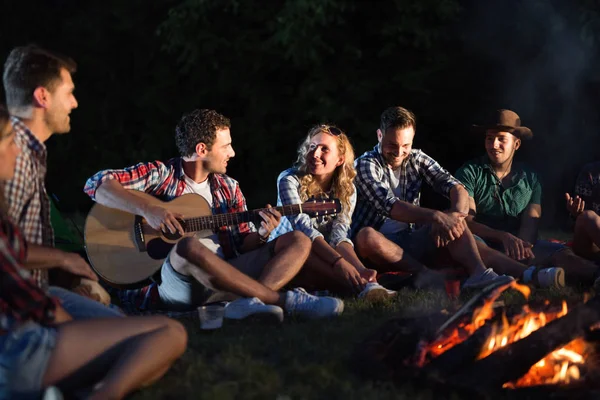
464,251
586,240
577,269
318,275
135,352
384,254
500,262
291,253
194,259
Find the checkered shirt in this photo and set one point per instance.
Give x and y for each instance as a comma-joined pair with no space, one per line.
166,181
21,299
375,195
25,194
333,229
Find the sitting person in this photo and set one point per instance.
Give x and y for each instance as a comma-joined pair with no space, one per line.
325,169
505,207
39,95
41,345
235,259
584,207
389,182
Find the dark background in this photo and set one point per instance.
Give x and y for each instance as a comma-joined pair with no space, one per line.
277,67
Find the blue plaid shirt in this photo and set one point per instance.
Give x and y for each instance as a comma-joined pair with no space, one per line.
334,229
375,195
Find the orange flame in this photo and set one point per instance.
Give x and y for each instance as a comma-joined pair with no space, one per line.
560,366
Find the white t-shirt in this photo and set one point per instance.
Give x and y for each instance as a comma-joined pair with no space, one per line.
211,241
391,226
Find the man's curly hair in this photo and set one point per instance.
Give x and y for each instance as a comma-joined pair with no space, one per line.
199,126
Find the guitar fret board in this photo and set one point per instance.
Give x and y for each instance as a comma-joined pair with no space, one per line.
218,220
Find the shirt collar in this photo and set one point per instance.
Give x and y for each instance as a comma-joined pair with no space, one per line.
32,142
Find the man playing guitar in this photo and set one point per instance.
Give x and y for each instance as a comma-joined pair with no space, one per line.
235,259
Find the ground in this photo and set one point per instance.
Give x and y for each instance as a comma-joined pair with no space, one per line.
300,359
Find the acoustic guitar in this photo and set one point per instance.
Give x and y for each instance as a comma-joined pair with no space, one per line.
126,252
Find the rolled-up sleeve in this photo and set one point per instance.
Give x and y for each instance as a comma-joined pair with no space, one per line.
466,176
143,177
437,177
288,193
372,185
340,230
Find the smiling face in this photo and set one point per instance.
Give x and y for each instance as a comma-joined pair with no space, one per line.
216,159
396,145
61,102
323,155
501,147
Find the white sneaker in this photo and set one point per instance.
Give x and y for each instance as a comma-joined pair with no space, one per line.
373,291
52,393
300,303
254,309
551,278
485,278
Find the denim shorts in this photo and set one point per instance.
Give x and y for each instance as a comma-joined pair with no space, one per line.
80,307
417,243
24,356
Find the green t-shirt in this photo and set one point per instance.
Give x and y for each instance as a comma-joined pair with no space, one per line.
498,207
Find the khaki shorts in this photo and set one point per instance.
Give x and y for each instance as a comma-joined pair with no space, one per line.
182,292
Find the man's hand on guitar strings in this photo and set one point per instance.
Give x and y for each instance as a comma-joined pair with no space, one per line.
161,219
271,218
76,265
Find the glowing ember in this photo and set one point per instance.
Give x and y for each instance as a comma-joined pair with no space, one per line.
558,367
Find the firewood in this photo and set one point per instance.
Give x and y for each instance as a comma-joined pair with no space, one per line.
513,361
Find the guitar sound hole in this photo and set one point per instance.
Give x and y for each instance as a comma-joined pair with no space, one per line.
158,249
173,236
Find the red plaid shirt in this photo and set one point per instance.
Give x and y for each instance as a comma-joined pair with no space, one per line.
28,203
167,181
21,299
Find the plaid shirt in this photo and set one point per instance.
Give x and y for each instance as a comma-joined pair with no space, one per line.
587,186
20,297
166,181
375,195
334,229
28,203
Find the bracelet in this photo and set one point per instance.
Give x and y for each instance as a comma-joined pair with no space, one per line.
263,240
338,258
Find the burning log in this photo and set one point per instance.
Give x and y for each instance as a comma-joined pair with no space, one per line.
509,363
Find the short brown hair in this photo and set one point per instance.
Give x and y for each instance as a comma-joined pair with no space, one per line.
29,67
397,117
196,127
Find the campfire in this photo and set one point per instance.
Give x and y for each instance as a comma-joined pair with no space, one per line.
486,346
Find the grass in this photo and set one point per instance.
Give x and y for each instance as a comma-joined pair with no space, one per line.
301,359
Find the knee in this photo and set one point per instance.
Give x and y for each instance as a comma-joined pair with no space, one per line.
177,333
586,219
296,239
188,246
368,239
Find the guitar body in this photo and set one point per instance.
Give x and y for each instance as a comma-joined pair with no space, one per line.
113,246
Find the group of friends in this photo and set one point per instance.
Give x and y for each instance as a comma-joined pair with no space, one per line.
489,231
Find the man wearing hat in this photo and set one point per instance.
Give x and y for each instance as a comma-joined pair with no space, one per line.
505,206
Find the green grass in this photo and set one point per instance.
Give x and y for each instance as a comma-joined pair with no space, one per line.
300,359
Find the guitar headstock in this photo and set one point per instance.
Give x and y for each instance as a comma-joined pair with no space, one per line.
320,207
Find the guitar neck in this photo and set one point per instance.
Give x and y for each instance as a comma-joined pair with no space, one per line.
218,220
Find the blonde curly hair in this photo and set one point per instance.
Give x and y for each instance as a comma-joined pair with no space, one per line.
343,176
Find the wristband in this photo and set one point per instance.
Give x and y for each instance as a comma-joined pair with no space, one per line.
338,258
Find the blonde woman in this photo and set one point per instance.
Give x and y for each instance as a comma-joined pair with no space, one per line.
324,169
